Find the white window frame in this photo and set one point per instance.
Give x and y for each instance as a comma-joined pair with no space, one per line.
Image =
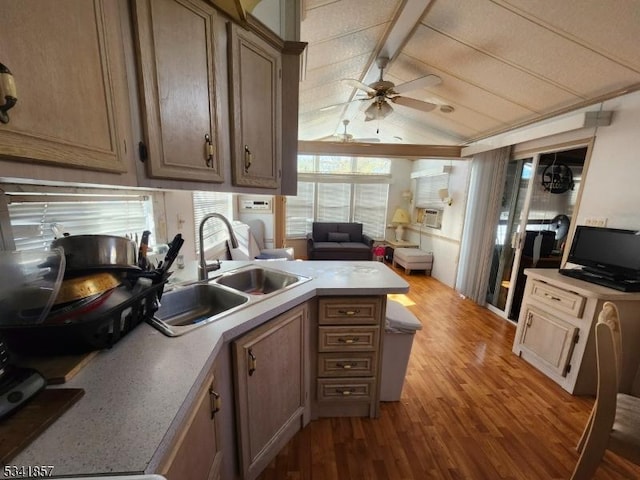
353,180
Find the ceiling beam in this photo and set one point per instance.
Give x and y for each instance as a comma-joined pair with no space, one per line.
379,149
401,29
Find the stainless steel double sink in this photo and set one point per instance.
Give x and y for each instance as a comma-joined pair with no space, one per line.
194,305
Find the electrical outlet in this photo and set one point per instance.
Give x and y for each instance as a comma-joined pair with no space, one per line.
596,222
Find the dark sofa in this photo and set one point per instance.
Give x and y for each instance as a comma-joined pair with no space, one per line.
338,241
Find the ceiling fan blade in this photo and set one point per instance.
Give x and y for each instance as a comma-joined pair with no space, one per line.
413,103
352,82
366,140
418,83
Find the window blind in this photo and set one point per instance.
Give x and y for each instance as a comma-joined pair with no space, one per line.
370,208
334,201
33,218
215,231
300,210
427,190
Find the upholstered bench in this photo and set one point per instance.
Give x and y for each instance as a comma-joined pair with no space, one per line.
413,259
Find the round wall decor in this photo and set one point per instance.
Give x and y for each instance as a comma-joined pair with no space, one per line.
557,178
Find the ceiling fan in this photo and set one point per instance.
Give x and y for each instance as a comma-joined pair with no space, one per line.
346,137
383,91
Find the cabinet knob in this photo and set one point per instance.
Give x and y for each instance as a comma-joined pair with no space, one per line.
345,393
349,313
248,157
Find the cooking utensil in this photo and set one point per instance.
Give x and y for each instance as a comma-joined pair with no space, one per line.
172,253
89,253
143,262
76,288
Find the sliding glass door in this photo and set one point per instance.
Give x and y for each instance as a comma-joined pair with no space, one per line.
504,254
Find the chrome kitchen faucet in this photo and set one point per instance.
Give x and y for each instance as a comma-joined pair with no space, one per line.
203,268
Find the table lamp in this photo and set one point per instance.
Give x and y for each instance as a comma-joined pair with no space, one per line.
400,218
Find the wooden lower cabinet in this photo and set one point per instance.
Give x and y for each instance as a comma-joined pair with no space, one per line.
269,371
197,454
555,331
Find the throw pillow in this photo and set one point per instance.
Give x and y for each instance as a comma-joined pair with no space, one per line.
338,237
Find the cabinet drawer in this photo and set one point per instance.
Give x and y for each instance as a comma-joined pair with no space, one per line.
360,311
345,390
347,364
562,300
345,339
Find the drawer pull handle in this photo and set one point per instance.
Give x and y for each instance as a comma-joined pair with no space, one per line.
345,393
349,313
347,366
348,341
552,297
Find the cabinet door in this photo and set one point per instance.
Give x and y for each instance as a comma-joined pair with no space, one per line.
255,82
549,338
69,73
197,454
175,51
270,388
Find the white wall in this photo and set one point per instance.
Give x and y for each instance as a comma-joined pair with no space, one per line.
444,242
611,188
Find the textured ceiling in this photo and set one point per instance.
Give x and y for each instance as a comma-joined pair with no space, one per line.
503,63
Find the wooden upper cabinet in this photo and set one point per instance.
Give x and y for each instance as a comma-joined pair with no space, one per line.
67,60
255,97
176,73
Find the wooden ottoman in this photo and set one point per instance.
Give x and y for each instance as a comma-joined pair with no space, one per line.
413,259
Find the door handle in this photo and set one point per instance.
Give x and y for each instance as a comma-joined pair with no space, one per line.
208,150
7,93
248,157
252,362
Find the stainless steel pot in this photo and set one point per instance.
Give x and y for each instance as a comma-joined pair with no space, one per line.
88,253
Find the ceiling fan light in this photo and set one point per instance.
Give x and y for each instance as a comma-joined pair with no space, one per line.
377,111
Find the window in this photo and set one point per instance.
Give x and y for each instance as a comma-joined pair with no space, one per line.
340,189
427,189
300,210
35,216
215,231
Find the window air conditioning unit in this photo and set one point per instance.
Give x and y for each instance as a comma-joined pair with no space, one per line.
432,217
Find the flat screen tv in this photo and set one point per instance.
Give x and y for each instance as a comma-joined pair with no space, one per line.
610,252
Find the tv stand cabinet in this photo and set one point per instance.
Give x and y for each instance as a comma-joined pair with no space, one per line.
555,331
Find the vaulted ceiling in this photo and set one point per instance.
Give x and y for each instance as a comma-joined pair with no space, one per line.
502,63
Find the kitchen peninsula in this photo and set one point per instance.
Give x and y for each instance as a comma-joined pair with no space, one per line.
139,395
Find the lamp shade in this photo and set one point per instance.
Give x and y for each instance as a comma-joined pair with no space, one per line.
400,216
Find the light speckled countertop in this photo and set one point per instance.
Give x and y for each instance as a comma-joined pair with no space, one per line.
137,392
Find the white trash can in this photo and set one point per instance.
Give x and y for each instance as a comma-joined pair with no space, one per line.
401,326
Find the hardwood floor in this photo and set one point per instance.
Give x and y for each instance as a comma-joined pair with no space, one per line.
470,409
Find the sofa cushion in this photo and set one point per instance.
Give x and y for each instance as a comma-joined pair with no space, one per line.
320,231
353,229
339,237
